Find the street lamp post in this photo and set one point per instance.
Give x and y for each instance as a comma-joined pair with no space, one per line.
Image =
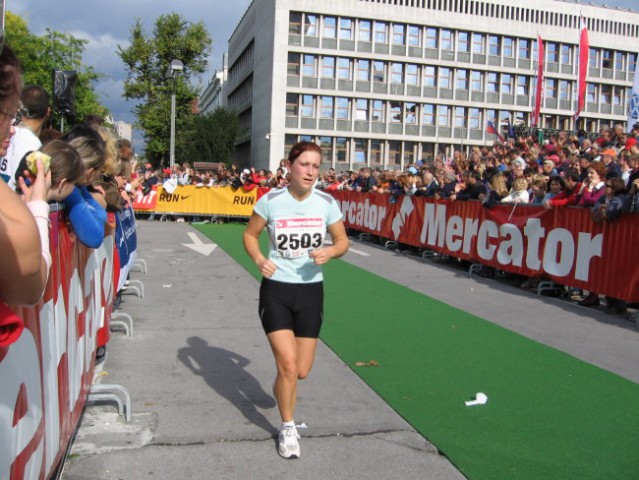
172,71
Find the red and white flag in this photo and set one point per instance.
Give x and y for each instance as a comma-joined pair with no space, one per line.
539,91
584,48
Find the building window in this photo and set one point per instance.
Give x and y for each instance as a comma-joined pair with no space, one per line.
308,106
463,42
326,143
361,150
606,95
506,83
551,88
381,32
327,109
460,117
462,80
378,111
344,68
341,108
492,84
412,74
397,73
474,118
394,152
566,57
524,49
478,43
522,85
619,63
328,67
551,52
399,34
617,96
294,64
494,47
330,27
591,92
310,25
445,77
361,109
376,152
428,114
443,115
295,23
564,90
363,70
431,37
292,101
606,59
346,29
396,112
308,68
379,73
409,153
446,39
476,81
410,113
430,78
414,36
341,149
592,58
508,47
364,34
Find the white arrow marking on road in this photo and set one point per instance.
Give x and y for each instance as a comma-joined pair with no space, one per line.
351,250
199,246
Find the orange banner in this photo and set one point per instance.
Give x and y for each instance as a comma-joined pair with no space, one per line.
191,200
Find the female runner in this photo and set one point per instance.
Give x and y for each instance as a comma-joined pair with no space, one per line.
291,294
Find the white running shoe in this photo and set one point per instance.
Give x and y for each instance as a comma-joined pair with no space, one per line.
288,445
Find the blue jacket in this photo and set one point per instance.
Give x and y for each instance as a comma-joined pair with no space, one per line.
87,216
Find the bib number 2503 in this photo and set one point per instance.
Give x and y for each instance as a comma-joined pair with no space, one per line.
299,241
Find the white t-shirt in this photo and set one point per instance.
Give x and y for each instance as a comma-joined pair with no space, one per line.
295,229
23,141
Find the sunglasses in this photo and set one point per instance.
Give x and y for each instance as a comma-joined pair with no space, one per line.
16,118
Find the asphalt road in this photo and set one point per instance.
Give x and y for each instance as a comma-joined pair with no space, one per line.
199,372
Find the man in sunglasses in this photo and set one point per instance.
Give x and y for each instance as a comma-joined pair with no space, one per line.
28,123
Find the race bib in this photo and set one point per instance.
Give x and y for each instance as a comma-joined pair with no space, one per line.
296,237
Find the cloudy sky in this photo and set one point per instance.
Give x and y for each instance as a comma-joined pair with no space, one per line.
106,24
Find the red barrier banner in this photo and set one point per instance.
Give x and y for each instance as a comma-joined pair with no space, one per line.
47,372
564,245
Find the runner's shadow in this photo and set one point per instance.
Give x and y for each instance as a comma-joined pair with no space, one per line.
224,371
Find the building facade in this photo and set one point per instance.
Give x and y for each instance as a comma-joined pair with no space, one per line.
387,82
124,130
214,95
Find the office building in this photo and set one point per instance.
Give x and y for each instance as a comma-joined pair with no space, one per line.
387,82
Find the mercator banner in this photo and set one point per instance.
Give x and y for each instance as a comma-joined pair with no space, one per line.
564,245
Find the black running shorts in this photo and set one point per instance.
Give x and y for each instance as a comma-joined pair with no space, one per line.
292,306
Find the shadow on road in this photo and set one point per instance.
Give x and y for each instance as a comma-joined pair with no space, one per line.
224,372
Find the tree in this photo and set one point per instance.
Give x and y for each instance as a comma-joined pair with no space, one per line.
39,55
146,61
210,139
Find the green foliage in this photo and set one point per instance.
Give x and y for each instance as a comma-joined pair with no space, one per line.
210,139
40,55
146,60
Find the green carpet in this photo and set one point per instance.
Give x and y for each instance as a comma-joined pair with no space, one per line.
548,416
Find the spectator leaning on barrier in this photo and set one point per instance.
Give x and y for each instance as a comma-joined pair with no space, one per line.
87,216
24,237
66,168
34,112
